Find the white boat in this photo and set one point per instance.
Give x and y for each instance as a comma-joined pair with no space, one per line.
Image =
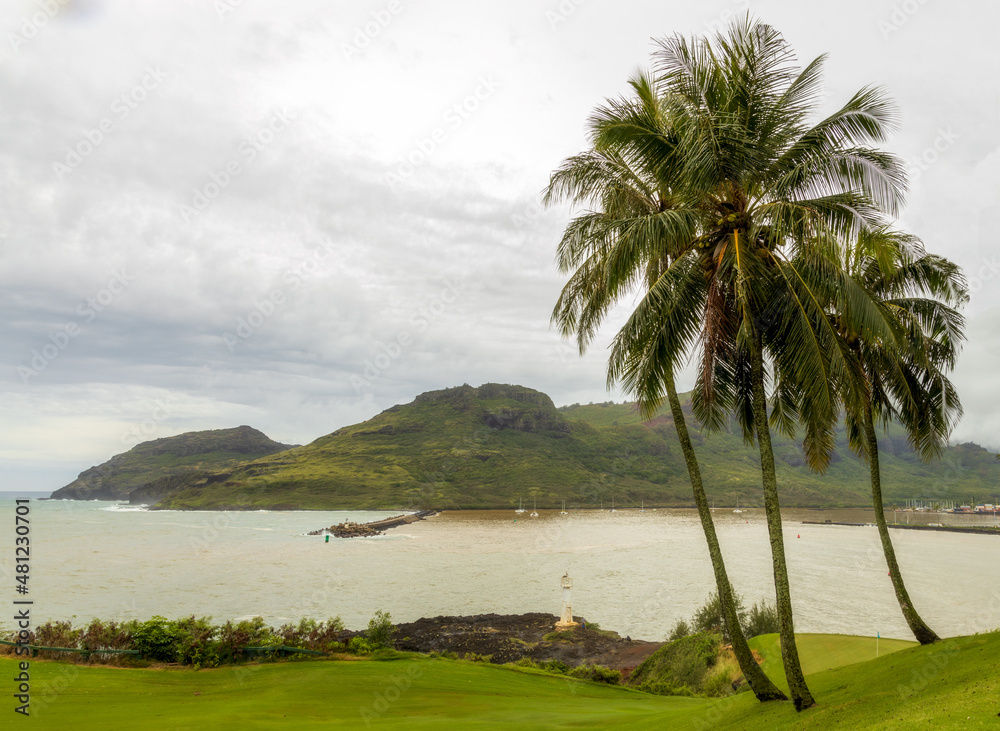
613,507
642,508
520,507
563,511
534,511
737,506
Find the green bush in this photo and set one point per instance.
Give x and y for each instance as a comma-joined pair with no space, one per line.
312,635
684,663
554,666
232,638
359,646
158,639
710,618
381,630
597,673
197,645
762,619
681,629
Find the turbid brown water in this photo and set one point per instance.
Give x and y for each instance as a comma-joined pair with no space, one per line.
635,572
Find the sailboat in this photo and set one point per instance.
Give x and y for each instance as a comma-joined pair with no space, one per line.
613,506
520,507
534,510
642,508
737,506
563,511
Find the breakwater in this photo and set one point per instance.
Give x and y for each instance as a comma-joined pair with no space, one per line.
976,530
372,528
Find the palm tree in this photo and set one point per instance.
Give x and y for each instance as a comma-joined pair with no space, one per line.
773,197
607,251
904,378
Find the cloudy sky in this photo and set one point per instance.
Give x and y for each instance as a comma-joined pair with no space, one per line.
294,215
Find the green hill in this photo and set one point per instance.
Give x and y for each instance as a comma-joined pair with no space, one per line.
489,447
153,468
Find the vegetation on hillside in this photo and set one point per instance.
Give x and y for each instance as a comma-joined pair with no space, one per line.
153,468
439,451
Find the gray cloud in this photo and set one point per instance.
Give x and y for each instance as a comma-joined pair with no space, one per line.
310,292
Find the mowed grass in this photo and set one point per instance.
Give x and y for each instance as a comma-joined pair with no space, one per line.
823,652
412,693
955,684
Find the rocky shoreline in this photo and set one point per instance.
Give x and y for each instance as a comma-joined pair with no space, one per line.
510,637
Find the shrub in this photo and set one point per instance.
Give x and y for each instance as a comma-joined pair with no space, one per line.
381,630
554,666
359,646
56,634
681,629
312,635
157,639
681,664
762,619
245,633
709,618
476,657
196,645
597,673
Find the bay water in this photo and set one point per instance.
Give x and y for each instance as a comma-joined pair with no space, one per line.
636,572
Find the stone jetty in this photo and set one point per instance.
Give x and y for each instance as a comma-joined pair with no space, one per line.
374,528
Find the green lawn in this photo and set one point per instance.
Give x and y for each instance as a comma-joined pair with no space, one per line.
823,652
952,685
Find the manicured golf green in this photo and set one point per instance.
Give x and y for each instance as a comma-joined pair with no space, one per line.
823,652
955,684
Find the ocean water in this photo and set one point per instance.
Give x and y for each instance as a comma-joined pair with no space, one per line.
634,572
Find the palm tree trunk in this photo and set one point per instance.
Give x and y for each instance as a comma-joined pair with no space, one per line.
924,634
801,696
759,683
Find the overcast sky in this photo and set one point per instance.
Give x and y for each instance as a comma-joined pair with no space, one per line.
294,215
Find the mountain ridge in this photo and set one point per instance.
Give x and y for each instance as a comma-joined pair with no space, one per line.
498,444
168,458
